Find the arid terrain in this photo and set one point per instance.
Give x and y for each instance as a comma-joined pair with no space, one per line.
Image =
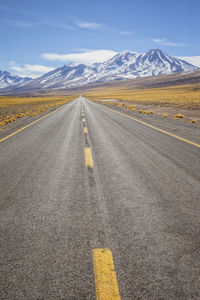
15,109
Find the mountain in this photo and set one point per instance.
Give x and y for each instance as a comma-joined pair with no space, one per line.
128,65
8,79
124,65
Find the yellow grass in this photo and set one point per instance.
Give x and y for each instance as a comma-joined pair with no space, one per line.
179,116
12,108
7,101
184,95
148,112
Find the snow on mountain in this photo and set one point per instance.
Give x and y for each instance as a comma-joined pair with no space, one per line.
8,79
194,60
124,65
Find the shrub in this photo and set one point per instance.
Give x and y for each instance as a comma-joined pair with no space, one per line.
131,107
193,121
20,115
148,112
179,116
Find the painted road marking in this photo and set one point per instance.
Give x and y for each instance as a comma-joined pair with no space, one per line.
17,131
156,128
83,119
88,158
105,276
85,130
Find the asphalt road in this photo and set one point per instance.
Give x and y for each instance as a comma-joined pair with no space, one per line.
141,200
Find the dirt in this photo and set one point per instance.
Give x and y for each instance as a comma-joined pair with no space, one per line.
171,111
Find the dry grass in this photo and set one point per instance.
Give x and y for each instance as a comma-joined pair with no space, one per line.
131,107
12,108
8,101
187,96
179,116
148,112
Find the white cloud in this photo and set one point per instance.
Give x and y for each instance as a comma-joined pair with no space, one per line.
28,70
126,32
88,25
64,26
165,42
21,23
87,57
194,60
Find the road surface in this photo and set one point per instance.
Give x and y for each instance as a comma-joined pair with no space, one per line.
86,178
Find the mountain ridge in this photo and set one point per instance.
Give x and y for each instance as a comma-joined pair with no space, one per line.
8,79
122,66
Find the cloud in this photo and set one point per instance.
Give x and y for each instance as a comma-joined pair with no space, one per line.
22,24
28,70
32,24
64,26
165,42
8,9
86,57
126,32
88,25
36,20
194,60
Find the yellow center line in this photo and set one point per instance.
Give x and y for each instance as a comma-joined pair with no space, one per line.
88,158
85,130
105,276
17,131
156,128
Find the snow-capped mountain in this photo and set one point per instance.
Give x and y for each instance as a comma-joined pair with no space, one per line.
124,65
8,79
128,65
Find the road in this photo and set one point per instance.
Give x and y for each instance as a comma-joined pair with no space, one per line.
86,177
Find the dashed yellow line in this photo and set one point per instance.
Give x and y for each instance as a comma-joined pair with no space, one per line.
85,130
83,119
88,158
158,129
105,276
17,131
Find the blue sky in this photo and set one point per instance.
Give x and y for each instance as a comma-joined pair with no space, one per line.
37,36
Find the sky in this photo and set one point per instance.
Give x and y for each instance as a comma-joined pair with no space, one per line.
38,36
